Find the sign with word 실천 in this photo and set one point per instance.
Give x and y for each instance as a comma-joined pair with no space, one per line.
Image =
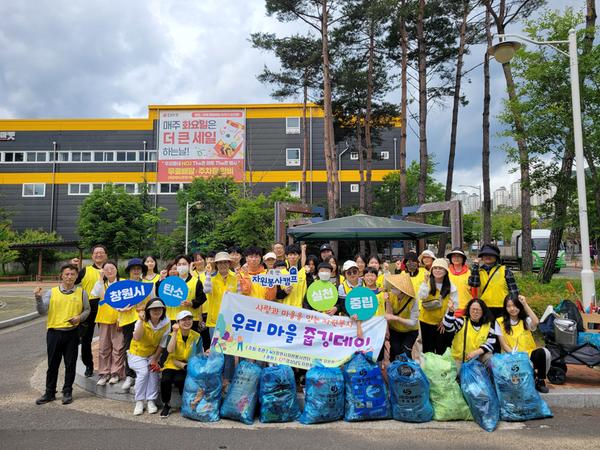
282,334
173,291
322,295
201,143
126,293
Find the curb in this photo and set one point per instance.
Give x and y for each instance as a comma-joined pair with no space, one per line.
19,320
574,398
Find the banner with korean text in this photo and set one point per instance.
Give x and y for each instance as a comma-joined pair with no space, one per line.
281,334
201,143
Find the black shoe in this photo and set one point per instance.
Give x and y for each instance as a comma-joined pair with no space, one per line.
67,398
46,398
89,371
166,410
540,386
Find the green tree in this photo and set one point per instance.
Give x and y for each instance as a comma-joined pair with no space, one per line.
7,237
29,256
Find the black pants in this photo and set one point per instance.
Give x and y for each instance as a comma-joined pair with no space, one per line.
61,345
433,340
497,311
540,360
205,334
127,337
86,331
401,342
169,378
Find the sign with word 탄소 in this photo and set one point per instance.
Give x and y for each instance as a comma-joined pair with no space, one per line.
126,293
282,334
322,295
172,291
362,302
274,277
201,143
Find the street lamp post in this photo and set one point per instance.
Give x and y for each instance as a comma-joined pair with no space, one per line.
503,52
188,205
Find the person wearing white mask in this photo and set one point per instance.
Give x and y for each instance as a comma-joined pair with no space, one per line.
324,274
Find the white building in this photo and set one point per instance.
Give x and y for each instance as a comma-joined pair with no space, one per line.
501,198
470,203
515,194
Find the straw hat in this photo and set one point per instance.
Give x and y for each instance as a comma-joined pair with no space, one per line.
222,257
401,282
426,254
440,262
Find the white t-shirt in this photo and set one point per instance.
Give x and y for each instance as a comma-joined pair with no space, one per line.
500,330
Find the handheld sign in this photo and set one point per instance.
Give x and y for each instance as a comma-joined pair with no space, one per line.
322,295
126,293
173,291
276,278
362,302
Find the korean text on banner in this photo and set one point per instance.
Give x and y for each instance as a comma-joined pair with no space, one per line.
282,334
201,143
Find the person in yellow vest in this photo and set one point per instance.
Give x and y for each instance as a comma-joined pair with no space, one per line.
416,273
149,338
474,335
269,260
370,281
351,280
375,262
235,252
515,332
459,274
493,280
402,314
111,350
336,277
426,259
67,306
87,278
200,270
196,296
293,295
435,294
254,267
179,348
361,263
151,264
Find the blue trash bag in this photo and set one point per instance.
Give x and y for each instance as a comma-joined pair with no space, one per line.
515,387
278,397
203,385
366,391
241,398
409,391
324,399
480,395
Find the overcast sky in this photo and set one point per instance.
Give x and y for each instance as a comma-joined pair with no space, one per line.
102,58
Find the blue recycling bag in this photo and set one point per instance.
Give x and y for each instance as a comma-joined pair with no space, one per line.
480,395
241,398
366,391
515,387
409,391
324,399
278,397
203,385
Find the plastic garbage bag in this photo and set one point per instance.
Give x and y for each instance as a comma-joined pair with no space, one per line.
445,394
480,395
241,398
366,392
203,385
278,398
515,387
324,395
409,391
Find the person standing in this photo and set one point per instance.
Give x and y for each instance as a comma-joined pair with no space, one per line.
254,267
459,274
67,306
351,280
402,314
416,273
279,250
326,252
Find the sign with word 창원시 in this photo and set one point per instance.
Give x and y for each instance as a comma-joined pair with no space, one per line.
282,334
201,143
362,302
274,277
322,295
126,293
172,291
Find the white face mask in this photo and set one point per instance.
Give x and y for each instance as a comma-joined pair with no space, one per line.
183,269
324,276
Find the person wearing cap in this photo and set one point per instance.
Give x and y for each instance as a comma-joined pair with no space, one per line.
254,267
493,280
179,348
402,314
269,260
426,259
436,293
149,338
459,274
326,252
416,273
351,280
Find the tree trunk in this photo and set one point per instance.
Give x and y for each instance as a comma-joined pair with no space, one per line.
361,167
304,142
486,201
403,110
422,68
368,140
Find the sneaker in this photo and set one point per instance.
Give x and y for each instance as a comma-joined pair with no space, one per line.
127,384
102,380
540,386
89,371
166,411
139,408
152,408
67,398
46,398
114,379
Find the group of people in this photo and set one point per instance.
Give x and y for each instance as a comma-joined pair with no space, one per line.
429,303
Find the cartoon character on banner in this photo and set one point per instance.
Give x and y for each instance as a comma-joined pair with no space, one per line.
126,293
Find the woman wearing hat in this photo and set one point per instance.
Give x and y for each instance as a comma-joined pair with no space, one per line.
493,280
149,338
436,293
351,280
402,314
179,348
426,259
459,274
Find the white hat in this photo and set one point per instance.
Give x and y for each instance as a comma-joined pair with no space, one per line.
348,265
183,314
440,262
222,257
155,303
270,255
426,254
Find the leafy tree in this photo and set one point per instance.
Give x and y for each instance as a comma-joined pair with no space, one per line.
27,257
7,236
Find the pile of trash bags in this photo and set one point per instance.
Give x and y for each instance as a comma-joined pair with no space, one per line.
366,391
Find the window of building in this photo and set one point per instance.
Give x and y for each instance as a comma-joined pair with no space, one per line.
34,190
81,188
109,156
292,125
292,156
170,188
63,156
151,155
354,155
14,157
294,187
385,155
354,187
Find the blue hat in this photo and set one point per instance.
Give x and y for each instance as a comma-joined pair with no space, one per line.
490,250
136,262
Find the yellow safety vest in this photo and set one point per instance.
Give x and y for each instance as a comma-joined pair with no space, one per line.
220,285
380,304
497,290
519,338
172,311
296,295
405,313
154,279
107,314
475,339
380,280
433,316
92,275
462,286
418,279
63,307
131,315
149,341
182,350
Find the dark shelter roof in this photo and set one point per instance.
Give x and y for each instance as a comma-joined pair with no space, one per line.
362,226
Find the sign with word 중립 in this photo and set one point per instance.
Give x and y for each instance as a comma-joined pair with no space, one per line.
322,295
362,302
126,293
173,291
274,277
